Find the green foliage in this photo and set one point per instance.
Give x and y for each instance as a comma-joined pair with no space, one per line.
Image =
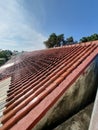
54,40
83,39
69,40
57,40
5,54
89,38
60,40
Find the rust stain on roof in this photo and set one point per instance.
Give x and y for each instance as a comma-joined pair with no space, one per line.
40,79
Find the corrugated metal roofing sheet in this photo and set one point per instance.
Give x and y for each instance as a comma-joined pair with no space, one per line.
40,79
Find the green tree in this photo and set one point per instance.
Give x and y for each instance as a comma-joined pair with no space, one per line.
69,40
83,39
54,40
5,54
60,40
89,38
94,37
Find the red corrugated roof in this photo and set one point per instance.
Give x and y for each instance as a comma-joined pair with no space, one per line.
40,79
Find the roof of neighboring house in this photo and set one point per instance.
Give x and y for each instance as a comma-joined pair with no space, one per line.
39,79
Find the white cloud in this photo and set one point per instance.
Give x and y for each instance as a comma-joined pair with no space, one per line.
6,42
15,31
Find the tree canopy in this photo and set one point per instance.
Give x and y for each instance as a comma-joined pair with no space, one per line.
54,40
4,56
57,40
89,38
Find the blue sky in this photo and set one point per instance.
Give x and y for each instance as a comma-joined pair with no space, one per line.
25,24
